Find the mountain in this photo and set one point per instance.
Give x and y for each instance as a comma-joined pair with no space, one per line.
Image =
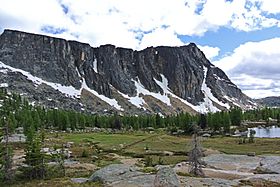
68,74
272,101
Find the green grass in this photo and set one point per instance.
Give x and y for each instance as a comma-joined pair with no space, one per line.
161,143
106,141
141,144
58,182
99,145
230,145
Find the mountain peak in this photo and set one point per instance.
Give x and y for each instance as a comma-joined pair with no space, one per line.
69,74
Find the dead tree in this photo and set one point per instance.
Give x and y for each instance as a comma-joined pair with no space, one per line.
195,156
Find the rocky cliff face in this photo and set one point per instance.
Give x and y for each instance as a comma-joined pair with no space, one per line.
273,101
69,74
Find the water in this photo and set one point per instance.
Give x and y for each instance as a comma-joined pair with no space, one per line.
267,132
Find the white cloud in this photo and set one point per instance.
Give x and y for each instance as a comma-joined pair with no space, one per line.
159,37
210,52
254,67
136,24
270,6
141,23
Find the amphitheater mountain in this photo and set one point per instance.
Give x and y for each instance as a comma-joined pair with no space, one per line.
57,73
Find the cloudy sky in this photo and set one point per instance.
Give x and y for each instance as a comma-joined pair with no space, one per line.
242,37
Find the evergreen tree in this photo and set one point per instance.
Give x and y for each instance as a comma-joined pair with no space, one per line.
203,121
236,116
34,158
6,154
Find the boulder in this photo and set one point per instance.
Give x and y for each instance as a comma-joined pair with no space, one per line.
122,175
79,180
206,135
270,164
166,177
15,138
210,182
242,163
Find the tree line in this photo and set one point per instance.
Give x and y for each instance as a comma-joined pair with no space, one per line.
20,113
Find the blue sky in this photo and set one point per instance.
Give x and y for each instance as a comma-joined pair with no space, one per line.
239,36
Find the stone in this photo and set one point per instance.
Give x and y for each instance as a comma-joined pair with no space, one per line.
270,164
114,172
232,162
251,154
206,135
166,177
16,138
122,175
79,180
268,177
209,182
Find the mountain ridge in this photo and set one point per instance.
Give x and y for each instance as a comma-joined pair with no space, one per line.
153,80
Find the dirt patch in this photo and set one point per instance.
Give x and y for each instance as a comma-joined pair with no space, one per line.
130,161
209,151
82,166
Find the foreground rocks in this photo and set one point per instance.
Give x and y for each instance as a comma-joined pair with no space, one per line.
166,177
221,170
244,163
122,175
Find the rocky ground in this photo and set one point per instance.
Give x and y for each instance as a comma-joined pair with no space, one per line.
220,170
114,168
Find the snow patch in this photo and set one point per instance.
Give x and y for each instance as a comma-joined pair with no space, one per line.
162,97
138,101
4,85
207,105
112,102
232,100
5,71
167,91
69,91
208,93
94,65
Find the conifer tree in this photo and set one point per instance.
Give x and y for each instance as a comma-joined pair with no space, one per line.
6,153
34,158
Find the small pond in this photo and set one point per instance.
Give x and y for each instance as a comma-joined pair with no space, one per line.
267,132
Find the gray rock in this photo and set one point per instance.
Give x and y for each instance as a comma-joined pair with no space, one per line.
270,164
16,138
209,182
79,180
268,177
166,177
137,181
115,173
232,162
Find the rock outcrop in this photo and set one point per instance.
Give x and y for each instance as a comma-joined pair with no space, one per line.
166,177
69,74
122,175
273,101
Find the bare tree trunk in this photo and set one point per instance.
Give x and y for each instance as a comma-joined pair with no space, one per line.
195,157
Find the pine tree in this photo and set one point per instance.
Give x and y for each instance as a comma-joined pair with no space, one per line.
6,154
236,116
34,159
